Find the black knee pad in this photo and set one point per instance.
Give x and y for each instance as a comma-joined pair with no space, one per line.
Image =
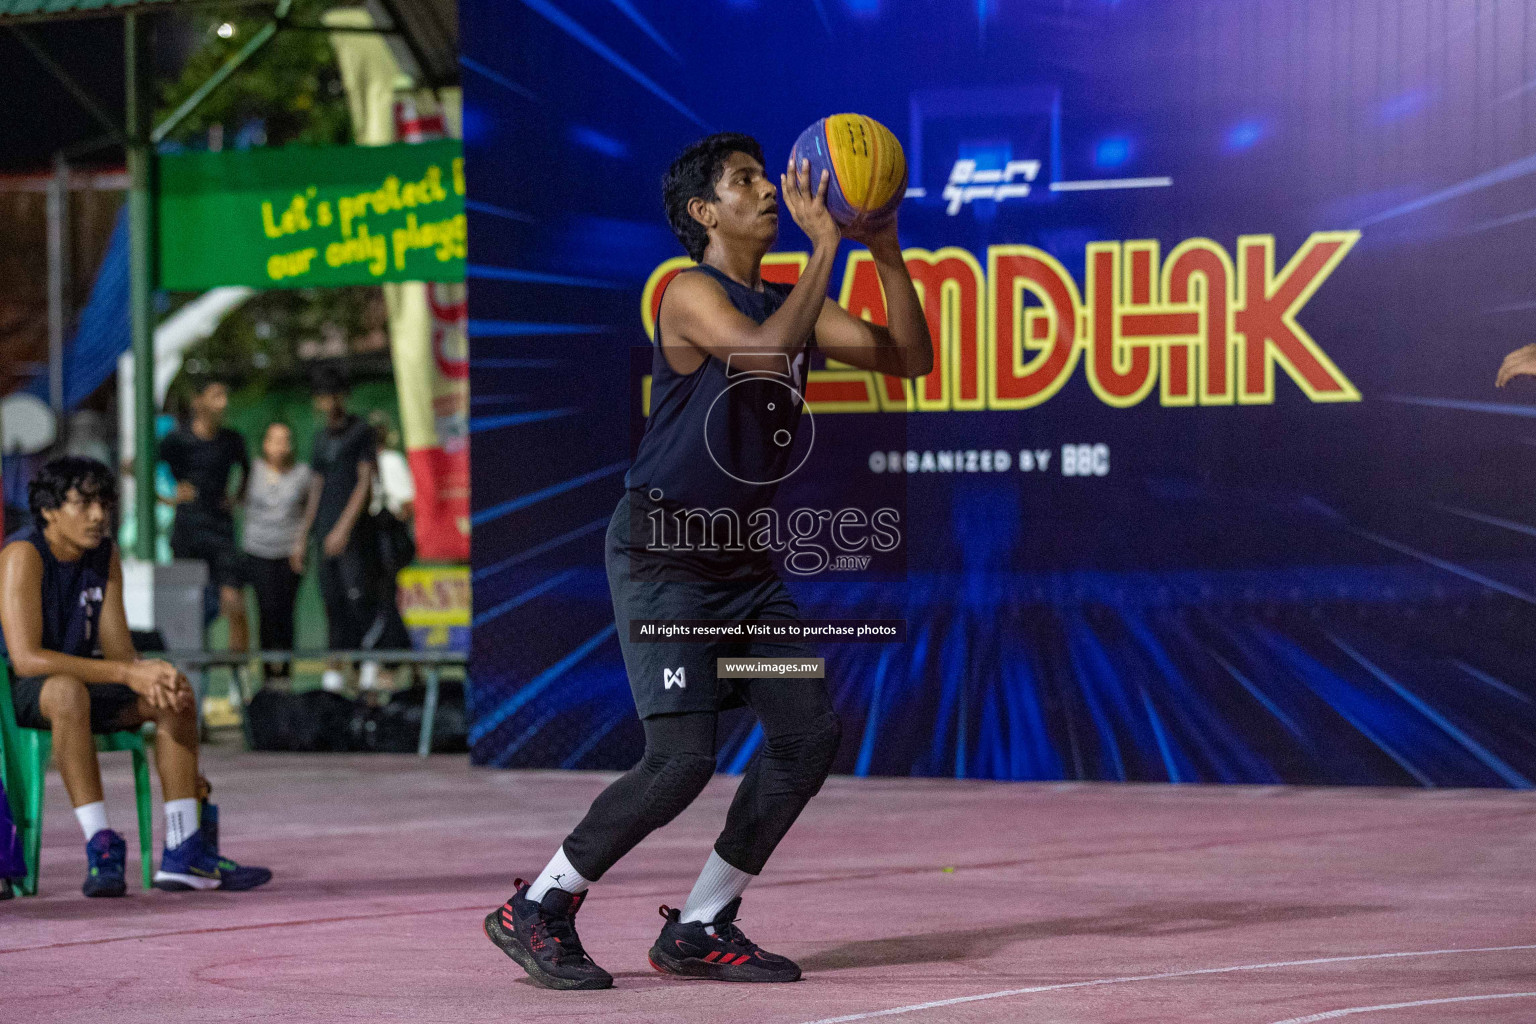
818,747
676,781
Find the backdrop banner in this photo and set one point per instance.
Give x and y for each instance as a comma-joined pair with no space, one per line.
427,344
311,216
1210,481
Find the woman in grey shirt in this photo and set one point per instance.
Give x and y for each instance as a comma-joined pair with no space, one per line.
274,513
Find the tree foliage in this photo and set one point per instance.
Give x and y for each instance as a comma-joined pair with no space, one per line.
292,90
292,86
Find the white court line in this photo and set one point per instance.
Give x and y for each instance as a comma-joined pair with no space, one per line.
1155,977
1331,1014
1093,186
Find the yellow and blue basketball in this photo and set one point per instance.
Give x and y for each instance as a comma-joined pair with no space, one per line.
868,169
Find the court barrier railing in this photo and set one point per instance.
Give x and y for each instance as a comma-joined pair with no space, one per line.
197,664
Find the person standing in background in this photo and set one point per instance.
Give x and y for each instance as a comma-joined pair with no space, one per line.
343,467
274,515
391,508
396,490
202,453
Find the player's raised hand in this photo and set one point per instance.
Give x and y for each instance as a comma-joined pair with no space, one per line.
880,235
1519,363
808,204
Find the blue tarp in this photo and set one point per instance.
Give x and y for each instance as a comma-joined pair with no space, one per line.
90,356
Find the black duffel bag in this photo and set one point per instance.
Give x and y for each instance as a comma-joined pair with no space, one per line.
395,728
313,721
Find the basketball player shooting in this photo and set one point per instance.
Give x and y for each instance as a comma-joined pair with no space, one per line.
718,321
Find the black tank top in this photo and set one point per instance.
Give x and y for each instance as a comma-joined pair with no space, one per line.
72,594
718,438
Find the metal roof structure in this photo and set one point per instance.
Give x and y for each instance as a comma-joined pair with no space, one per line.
429,31
22,11
424,33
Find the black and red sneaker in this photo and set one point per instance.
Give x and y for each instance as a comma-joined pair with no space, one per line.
542,938
718,950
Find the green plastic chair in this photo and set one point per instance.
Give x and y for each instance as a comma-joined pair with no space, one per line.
24,757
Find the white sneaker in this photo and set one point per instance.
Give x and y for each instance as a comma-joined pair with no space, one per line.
368,676
332,681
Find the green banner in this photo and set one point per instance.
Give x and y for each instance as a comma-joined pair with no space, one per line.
306,217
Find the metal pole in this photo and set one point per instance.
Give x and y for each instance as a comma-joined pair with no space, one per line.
58,277
140,102
428,714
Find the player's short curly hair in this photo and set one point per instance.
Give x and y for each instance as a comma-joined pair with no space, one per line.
693,176
50,488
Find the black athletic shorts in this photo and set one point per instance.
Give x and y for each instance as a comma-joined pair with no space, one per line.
670,677
210,540
108,702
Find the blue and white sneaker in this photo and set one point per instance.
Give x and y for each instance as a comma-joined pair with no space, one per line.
195,864
106,857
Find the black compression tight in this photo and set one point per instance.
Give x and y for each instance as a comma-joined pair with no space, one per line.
800,737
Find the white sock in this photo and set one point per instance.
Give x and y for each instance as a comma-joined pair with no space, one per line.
180,821
558,874
92,818
718,884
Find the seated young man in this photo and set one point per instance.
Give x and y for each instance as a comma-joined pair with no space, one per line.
61,601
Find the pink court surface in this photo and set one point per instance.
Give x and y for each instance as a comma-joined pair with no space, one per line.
907,900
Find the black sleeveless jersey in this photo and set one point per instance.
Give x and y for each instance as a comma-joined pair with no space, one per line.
718,438
72,595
